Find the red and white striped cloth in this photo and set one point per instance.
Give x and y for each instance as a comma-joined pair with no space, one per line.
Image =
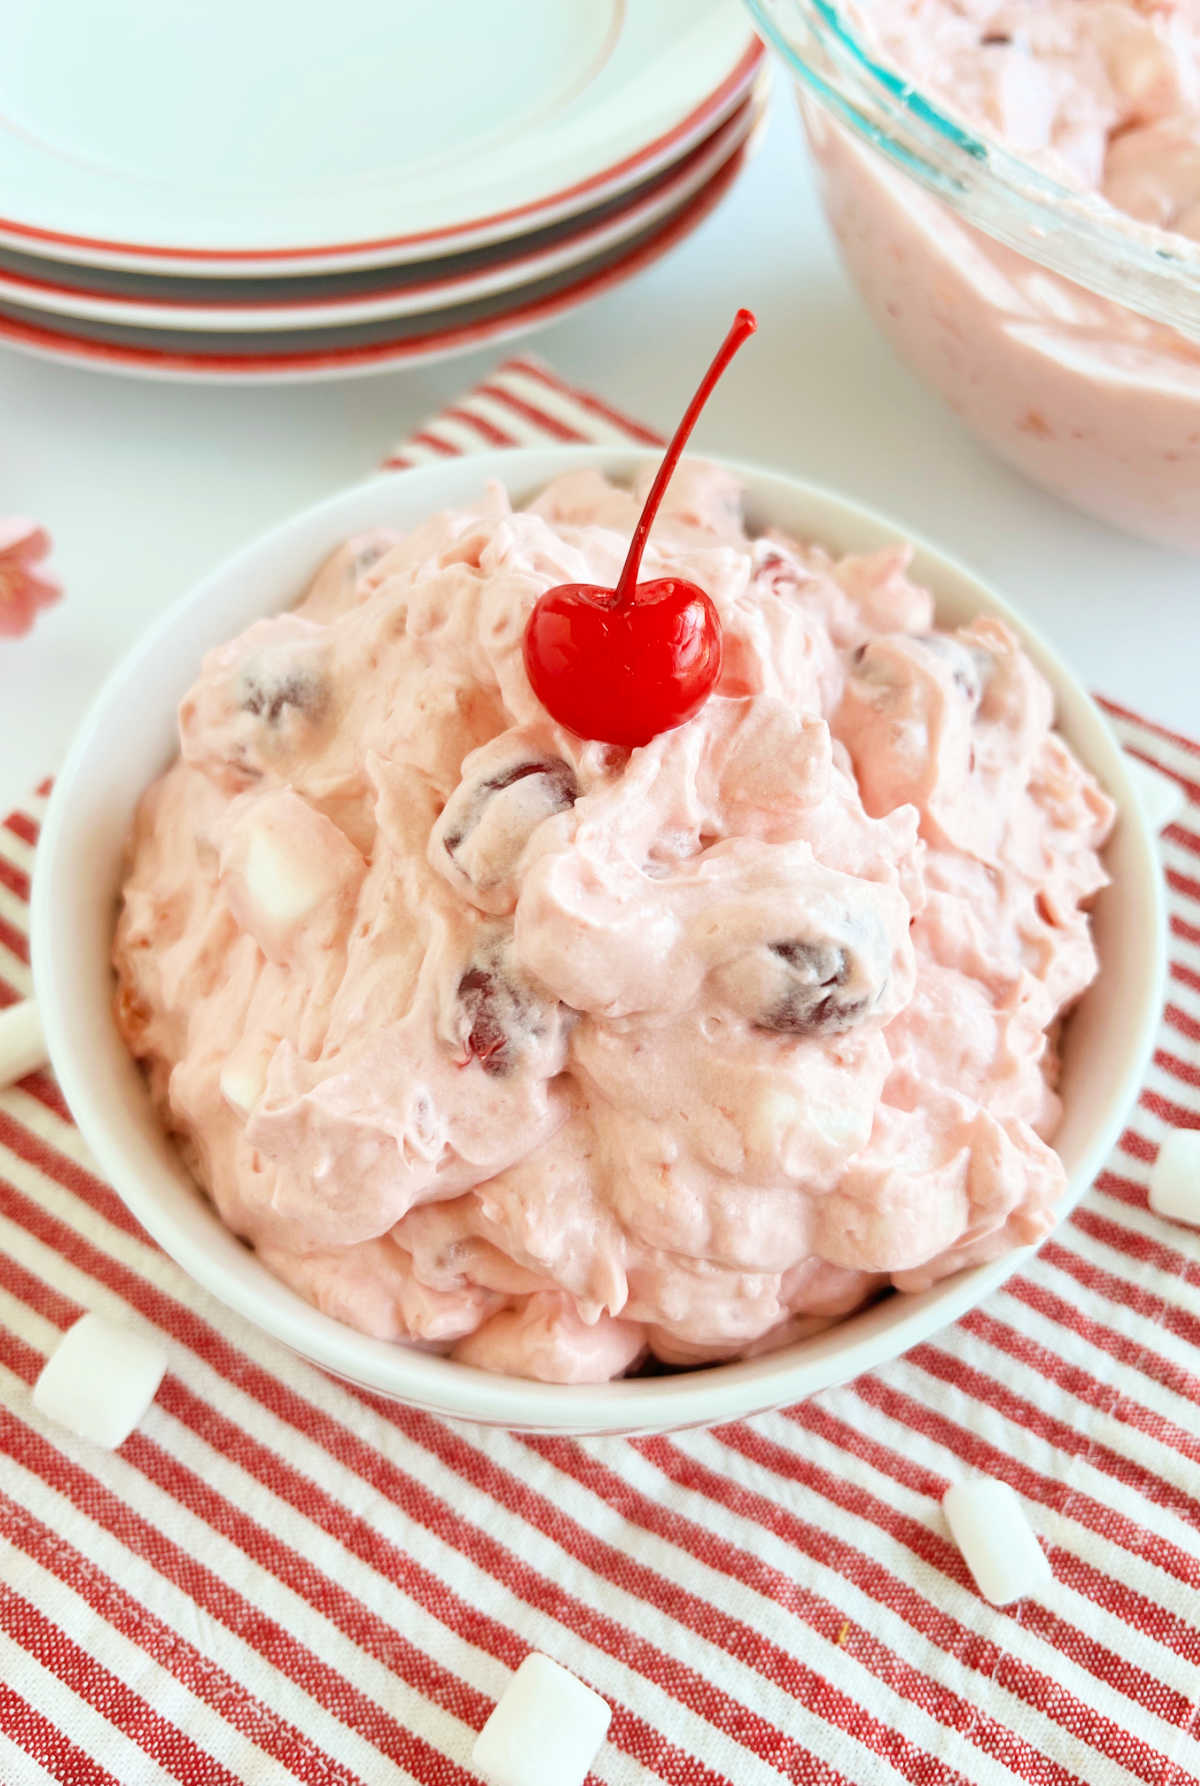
280,1579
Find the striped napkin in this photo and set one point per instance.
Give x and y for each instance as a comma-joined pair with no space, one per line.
279,1578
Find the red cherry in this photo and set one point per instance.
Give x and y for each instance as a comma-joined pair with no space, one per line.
623,672
623,664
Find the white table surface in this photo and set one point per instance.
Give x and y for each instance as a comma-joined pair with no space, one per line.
146,485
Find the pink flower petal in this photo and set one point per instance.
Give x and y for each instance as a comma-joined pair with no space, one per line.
24,537
44,589
23,544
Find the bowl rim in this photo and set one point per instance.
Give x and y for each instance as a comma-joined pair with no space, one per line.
1073,232
438,1385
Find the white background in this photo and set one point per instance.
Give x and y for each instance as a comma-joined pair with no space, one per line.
145,486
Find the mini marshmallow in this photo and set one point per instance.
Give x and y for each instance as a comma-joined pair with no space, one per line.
99,1380
1162,800
998,1544
1175,1178
22,1045
546,1729
243,1076
286,866
280,884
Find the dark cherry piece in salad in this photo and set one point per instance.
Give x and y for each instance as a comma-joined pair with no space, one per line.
622,665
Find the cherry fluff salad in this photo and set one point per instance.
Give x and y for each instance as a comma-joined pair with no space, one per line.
1102,94
559,1055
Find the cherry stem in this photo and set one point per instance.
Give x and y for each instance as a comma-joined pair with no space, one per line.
743,326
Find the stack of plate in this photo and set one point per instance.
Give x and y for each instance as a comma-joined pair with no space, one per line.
232,191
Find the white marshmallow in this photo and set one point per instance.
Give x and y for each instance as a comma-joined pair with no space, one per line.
546,1730
1162,800
22,1045
998,1544
286,868
1175,1178
280,884
773,1118
243,1077
99,1380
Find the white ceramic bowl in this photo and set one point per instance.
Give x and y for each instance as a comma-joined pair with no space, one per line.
129,737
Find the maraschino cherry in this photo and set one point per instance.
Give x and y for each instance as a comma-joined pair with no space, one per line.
622,665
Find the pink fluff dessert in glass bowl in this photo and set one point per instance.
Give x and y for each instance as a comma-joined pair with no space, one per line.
563,1058
1015,190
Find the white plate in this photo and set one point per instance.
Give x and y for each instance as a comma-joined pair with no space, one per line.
228,133
320,354
316,302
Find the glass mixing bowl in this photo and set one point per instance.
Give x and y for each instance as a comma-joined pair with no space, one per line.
1062,332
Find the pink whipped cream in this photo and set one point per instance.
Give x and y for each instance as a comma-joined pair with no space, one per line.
1106,93
558,1057
1088,398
